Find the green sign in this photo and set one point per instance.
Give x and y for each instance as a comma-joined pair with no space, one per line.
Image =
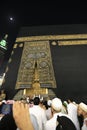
3,44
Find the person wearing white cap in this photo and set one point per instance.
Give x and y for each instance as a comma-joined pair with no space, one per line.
56,107
72,113
82,110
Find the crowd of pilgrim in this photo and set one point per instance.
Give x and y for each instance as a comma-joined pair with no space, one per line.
41,114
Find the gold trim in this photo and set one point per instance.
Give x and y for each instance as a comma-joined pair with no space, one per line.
9,60
51,37
12,52
21,45
15,45
74,42
54,43
6,69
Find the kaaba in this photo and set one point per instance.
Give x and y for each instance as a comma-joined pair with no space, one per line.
54,56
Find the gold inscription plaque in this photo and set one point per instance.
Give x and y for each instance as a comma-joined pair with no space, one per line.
37,52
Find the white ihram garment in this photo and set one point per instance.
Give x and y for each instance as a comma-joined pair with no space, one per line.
72,113
40,114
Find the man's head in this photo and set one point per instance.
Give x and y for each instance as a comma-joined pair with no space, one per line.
82,109
56,104
36,101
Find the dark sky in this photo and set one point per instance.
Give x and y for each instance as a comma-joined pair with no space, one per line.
27,13
39,13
